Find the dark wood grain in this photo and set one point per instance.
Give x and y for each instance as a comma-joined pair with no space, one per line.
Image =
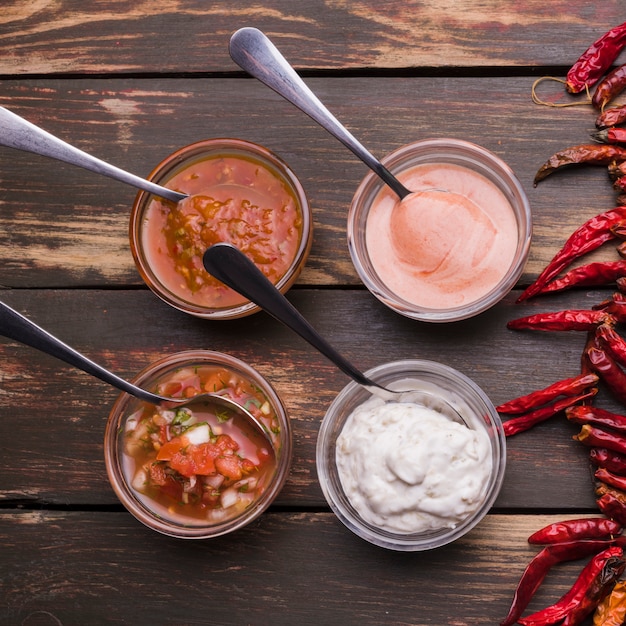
108,567
58,414
63,226
122,36
131,81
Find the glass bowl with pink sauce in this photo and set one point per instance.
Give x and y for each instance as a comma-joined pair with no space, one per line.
239,193
201,471
455,246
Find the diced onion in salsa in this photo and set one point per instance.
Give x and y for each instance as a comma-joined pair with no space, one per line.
201,461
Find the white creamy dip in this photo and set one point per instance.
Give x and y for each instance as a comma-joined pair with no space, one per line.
406,468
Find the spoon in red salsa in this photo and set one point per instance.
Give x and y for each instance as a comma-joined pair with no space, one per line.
14,325
231,266
18,133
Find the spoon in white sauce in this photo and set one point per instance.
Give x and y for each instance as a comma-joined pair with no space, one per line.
18,133
229,265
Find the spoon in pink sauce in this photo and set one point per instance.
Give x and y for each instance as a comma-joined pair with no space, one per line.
255,53
438,224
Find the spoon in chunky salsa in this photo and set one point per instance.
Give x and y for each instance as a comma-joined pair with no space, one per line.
15,326
18,133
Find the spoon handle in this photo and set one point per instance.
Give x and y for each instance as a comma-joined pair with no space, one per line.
229,265
15,326
16,132
256,54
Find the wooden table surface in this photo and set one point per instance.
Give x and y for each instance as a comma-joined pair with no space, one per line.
131,81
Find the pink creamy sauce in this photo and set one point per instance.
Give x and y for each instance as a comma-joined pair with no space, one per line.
442,249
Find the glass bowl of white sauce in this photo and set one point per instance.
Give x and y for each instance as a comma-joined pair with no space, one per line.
454,247
404,476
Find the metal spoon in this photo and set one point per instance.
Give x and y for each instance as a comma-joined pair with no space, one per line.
256,54
229,265
14,325
16,132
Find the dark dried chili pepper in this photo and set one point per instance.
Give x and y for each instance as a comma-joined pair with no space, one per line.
613,342
599,588
593,63
619,228
570,319
619,184
610,135
596,437
613,480
574,529
590,275
612,502
584,154
609,372
533,400
611,117
595,416
589,236
523,422
609,87
609,459
576,594
616,169
612,610
543,561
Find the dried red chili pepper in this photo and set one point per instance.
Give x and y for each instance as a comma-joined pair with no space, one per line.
612,610
617,308
543,561
610,135
599,588
570,319
525,421
590,275
611,460
609,372
565,387
609,87
584,154
596,59
596,437
576,594
589,236
613,480
611,117
612,503
595,416
574,529
613,342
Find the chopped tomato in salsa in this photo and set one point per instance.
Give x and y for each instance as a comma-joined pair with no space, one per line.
198,461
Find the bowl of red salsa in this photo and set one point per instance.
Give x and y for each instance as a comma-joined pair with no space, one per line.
239,193
198,471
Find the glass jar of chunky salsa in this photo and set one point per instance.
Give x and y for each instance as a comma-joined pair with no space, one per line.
239,193
200,470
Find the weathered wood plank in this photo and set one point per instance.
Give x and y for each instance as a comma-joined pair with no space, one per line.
54,416
79,568
62,226
192,36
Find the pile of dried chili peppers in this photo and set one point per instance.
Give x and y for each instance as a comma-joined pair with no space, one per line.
598,590
610,151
